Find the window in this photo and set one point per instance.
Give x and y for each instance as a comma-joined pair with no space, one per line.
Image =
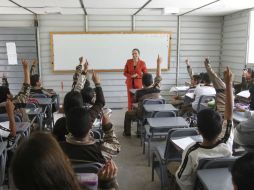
251,39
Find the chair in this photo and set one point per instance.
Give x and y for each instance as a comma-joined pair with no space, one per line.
166,153
203,100
37,95
145,115
211,163
90,167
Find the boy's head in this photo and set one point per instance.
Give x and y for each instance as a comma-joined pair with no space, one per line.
4,93
205,78
147,79
243,171
72,99
88,95
35,80
78,123
209,124
195,80
249,74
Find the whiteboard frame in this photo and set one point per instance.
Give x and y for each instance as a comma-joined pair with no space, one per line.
110,70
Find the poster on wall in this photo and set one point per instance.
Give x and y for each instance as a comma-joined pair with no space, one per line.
11,53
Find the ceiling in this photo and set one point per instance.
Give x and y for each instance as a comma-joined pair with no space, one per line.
125,7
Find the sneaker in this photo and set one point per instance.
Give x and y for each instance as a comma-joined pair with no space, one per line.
126,134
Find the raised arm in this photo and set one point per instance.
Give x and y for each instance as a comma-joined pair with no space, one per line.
79,78
189,68
33,68
229,95
10,112
96,109
24,93
158,78
110,143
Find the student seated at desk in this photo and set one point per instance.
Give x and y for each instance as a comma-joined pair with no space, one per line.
247,80
242,172
81,147
150,90
210,126
21,98
195,78
74,99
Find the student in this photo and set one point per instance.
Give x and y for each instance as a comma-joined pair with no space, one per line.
203,90
247,79
74,99
209,124
21,98
150,90
80,146
5,81
195,79
219,86
242,172
39,163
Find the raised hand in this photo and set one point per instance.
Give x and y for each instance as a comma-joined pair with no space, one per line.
159,59
85,66
34,62
206,61
95,78
25,63
187,62
108,172
228,76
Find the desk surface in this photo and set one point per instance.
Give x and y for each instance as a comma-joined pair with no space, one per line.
239,116
215,179
44,101
22,126
167,122
159,107
33,111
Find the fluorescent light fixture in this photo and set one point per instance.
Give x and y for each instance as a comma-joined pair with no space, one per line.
52,10
170,10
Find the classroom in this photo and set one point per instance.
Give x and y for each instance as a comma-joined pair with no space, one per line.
144,94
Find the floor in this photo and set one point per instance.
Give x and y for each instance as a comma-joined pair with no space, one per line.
134,172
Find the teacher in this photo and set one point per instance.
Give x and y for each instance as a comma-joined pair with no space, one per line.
134,69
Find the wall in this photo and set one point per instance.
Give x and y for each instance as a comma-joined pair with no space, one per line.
234,42
18,29
200,37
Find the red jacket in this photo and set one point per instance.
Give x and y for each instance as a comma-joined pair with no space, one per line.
129,71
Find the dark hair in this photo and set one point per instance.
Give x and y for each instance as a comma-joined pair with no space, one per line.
78,123
87,94
39,163
250,71
4,91
5,82
136,49
34,79
209,124
243,171
72,99
205,78
147,79
196,78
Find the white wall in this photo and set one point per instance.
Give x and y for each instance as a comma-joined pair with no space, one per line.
200,37
234,42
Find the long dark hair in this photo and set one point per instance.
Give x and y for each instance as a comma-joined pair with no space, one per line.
39,163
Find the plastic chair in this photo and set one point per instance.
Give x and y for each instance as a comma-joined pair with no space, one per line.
166,153
204,100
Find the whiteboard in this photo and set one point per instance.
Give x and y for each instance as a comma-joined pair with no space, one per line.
108,51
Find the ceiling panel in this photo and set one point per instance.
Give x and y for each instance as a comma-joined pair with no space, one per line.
114,3
6,3
49,3
13,10
111,11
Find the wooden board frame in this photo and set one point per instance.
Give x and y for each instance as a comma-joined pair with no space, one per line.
111,70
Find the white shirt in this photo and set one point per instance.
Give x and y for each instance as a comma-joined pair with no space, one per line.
187,172
201,91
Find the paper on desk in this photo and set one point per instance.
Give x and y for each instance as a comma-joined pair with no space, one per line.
244,94
183,142
179,88
5,125
190,95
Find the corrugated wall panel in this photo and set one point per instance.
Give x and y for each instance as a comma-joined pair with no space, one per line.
234,42
18,29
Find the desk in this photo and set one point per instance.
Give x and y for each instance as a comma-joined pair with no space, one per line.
37,112
133,90
160,127
239,116
215,179
159,107
47,103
